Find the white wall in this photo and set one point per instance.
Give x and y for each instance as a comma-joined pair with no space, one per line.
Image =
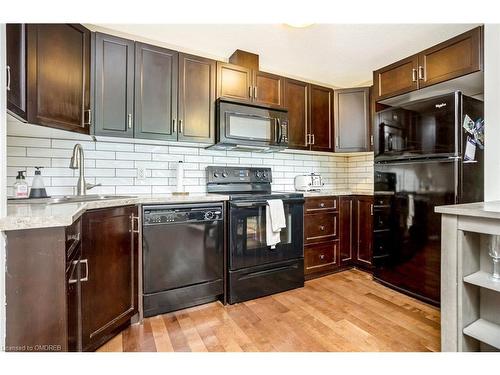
3,181
492,111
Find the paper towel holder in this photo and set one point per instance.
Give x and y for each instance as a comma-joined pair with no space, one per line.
180,176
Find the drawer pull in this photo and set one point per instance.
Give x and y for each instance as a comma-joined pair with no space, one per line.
322,204
322,256
321,227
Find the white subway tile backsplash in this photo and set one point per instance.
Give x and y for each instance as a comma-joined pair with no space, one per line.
133,156
113,162
16,151
61,143
28,142
114,146
48,152
19,161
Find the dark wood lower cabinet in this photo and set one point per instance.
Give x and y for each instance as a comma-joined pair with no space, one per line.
72,289
347,229
109,273
364,231
339,236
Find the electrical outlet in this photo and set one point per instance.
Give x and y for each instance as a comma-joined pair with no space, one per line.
141,173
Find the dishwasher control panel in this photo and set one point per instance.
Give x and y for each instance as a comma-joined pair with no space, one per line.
167,215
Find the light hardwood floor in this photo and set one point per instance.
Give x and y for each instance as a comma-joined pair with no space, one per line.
346,311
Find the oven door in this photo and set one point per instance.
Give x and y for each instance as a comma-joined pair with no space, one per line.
251,126
248,245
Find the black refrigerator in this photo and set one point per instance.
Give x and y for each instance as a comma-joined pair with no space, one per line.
419,164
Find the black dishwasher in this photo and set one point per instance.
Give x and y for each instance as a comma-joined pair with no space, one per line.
183,256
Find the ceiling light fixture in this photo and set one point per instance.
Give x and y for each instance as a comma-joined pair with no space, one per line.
299,25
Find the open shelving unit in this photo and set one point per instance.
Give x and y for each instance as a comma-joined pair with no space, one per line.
478,295
484,331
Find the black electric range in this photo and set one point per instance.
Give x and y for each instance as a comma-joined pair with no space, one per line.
254,268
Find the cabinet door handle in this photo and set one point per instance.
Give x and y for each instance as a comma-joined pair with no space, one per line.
337,141
8,78
255,92
132,226
174,126
129,120
308,139
421,72
371,140
414,75
249,91
86,262
313,139
371,209
181,128
89,117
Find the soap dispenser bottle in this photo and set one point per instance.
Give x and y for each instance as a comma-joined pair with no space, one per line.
20,186
38,187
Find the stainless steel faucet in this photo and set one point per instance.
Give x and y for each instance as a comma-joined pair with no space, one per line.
78,162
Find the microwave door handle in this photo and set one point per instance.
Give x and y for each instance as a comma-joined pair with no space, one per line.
278,134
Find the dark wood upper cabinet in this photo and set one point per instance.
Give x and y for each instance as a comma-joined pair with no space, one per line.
109,273
398,78
451,59
196,105
268,89
364,231
16,69
234,82
297,102
156,72
352,119
114,86
58,88
321,118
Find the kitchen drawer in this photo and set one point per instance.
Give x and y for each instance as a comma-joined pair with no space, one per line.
320,257
320,227
73,237
381,220
381,243
318,204
382,201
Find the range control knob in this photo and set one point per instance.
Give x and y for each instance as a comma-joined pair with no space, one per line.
209,215
258,174
216,174
224,174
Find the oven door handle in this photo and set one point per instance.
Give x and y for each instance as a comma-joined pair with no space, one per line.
260,204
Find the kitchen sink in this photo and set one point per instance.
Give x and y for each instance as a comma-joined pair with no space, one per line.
69,199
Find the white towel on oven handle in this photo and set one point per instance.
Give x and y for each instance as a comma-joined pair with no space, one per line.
275,221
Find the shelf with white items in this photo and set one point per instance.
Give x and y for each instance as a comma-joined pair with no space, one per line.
484,280
484,331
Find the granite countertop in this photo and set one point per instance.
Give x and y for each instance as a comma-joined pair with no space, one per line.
29,215
326,193
489,210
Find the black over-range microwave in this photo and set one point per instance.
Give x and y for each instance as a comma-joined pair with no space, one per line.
248,127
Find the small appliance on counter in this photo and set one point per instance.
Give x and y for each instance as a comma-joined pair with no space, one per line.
309,182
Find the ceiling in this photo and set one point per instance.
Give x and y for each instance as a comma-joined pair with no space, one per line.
340,55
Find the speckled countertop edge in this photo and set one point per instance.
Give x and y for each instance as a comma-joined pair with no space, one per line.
31,216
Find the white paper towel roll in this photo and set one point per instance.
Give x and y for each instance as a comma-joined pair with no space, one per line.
180,177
